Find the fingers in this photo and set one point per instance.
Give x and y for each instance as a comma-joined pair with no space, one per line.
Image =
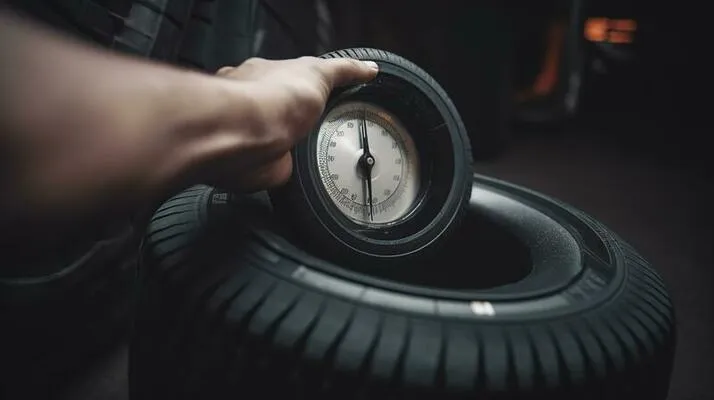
268,176
276,173
345,71
335,71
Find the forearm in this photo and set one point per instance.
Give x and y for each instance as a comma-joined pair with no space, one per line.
78,138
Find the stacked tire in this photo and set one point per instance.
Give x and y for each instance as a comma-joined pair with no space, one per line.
227,32
147,28
230,307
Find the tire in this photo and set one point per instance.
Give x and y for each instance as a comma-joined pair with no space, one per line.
55,318
229,307
227,32
147,28
300,202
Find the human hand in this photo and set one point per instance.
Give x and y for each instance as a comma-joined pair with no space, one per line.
96,133
279,102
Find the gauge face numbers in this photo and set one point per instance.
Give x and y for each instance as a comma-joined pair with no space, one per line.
363,149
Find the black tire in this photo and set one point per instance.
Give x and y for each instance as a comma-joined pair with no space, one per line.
56,318
301,203
147,28
229,307
227,32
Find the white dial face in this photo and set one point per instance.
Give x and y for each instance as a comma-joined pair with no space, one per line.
389,169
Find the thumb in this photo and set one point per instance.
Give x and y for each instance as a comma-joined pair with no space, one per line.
345,71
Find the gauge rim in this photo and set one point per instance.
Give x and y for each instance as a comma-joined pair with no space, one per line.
438,113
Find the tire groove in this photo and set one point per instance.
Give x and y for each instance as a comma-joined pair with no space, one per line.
155,230
211,326
330,354
235,361
365,371
653,298
169,214
159,240
625,333
397,377
652,333
658,288
300,344
538,370
655,315
440,383
562,366
609,364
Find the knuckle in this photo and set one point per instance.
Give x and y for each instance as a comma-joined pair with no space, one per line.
356,63
299,120
282,171
316,89
253,61
312,101
310,59
307,93
282,139
278,179
224,70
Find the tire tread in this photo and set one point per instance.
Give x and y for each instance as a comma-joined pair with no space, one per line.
379,353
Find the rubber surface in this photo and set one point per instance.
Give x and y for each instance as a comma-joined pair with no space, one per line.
219,33
54,322
436,127
227,32
148,28
229,307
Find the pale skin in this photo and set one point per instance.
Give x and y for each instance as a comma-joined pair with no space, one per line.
85,132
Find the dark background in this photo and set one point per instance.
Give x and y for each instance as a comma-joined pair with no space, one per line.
635,154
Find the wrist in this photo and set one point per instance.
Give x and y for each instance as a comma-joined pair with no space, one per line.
206,117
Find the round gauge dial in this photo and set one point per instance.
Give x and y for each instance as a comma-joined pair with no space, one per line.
384,178
368,164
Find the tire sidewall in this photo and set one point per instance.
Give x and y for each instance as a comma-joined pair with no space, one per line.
600,278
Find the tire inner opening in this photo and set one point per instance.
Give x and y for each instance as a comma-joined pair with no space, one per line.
479,255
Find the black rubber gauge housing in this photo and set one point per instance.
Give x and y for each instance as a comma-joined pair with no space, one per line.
410,96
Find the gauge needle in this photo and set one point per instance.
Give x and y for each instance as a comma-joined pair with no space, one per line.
367,162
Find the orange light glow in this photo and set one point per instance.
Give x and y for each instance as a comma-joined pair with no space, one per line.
547,78
596,29
617,31
626,25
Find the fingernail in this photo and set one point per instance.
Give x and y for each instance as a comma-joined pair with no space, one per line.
373,65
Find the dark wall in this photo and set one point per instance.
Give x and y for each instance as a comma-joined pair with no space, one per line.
465,46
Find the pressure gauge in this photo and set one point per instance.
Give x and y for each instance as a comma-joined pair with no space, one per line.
386,174
368,164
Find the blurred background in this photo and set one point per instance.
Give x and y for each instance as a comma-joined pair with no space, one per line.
598,103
